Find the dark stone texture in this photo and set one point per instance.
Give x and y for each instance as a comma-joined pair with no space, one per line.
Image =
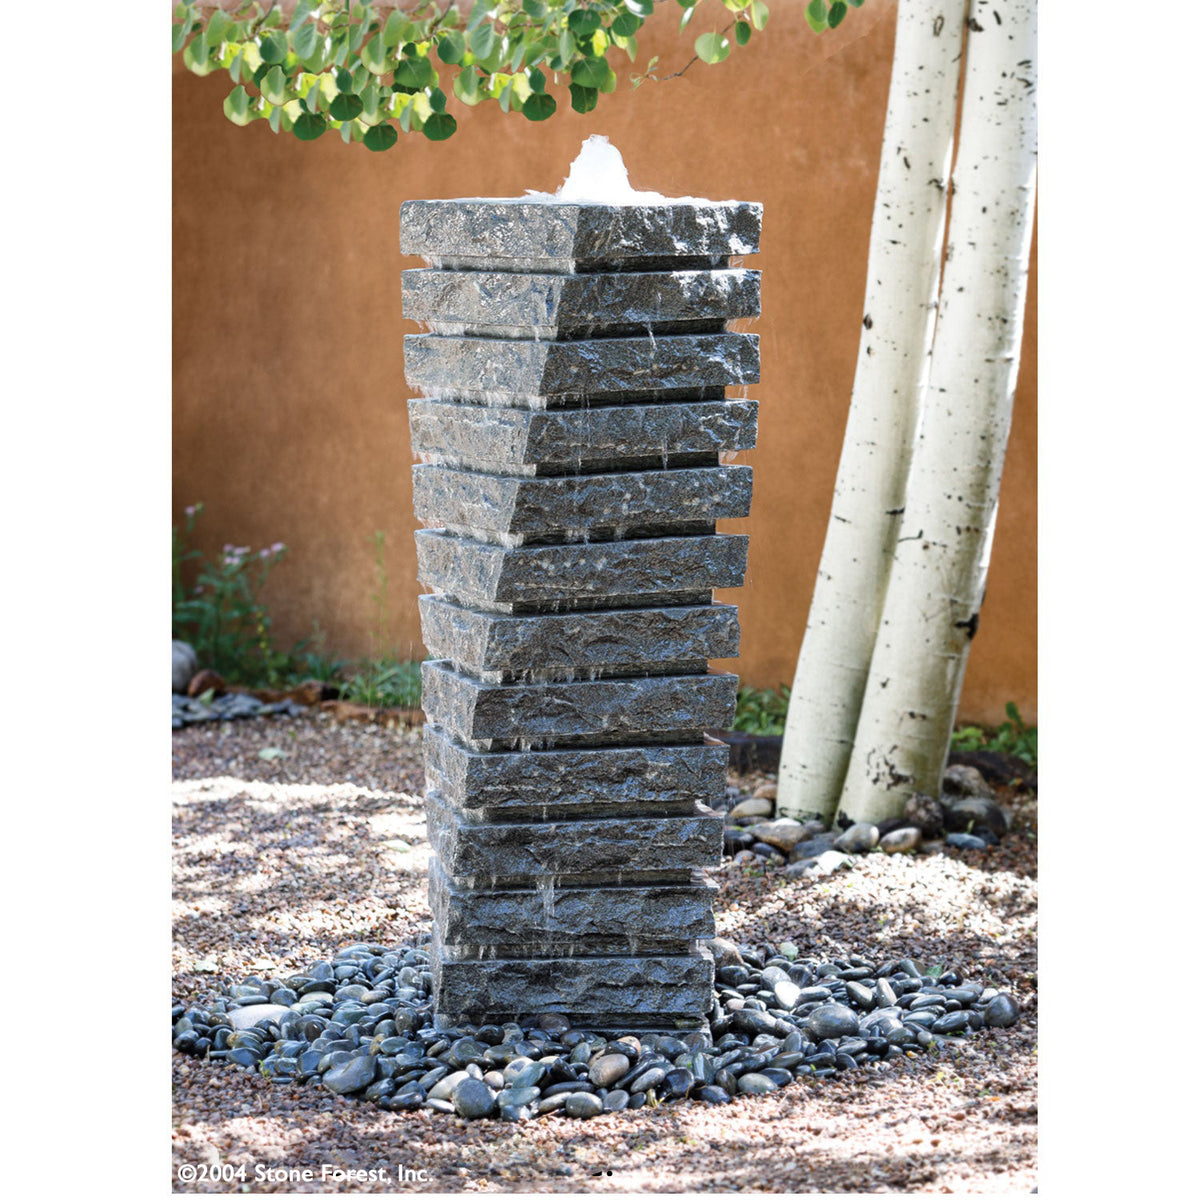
564,916
501,229
620,640
573,483
510,371
572,504
646,568
974,814
552,305
521,783
634,709
642,987
592,846
509,439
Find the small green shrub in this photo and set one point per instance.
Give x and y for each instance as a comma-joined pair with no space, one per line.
761,711
220,612
384,683
1011,737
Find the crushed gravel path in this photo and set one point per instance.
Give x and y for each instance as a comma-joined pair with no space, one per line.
295,836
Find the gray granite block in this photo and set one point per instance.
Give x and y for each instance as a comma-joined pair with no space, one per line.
508,439
615,641
656,707
651,569
595,847
649,985
577,233
510,304
573,505
520,784
518,372
545,918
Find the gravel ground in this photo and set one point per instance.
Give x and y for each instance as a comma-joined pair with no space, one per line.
293,837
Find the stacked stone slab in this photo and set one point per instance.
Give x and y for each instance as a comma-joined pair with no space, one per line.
573,427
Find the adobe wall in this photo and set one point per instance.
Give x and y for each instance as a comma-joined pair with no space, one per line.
289,418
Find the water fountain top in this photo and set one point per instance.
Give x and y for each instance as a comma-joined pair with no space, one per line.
595,220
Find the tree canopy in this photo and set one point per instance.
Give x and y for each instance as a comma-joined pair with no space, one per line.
372,71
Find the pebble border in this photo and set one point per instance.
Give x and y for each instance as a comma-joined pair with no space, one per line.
361,1025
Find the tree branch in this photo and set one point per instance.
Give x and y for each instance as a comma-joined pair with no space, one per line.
695,57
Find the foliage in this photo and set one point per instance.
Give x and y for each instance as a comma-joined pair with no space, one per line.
309,660
1012,737
367,70
220,613
385,683
761,710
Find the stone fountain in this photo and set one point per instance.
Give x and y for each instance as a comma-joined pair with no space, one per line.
574,432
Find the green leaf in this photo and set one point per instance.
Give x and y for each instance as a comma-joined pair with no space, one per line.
439,127
375,56
590,72
272,47
393,31
346,107
437,100
451,47
713,47
274,85
837,10
466,85
415,73
583,99
857,3
537,80
237,106
218,24
482,41
478,13
345,81
195,57
303,9
758,14
309,127
583,22
535,8
742,31
539,106
305,39
815,14
626,25
642,8
179,35
380,137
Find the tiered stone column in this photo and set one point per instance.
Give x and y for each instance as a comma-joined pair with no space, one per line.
572,429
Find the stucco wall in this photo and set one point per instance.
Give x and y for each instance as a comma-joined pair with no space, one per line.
289,418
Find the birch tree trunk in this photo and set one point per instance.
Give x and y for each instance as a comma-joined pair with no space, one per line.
937,579
902,280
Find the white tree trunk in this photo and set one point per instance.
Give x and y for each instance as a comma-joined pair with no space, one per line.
941,557
902,279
